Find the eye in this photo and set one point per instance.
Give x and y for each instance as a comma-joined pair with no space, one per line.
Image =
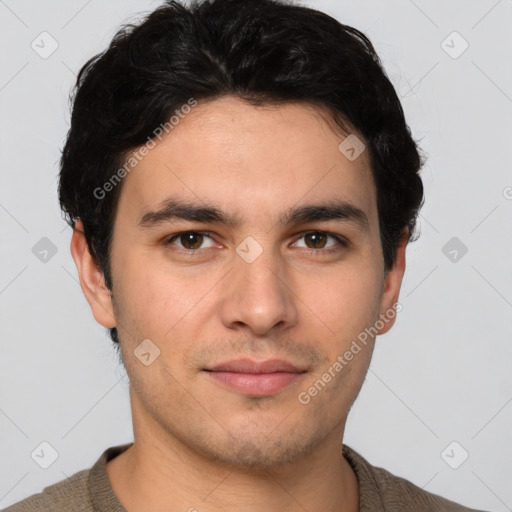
318,241
190,241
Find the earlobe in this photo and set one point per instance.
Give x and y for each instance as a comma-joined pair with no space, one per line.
392,284
91,279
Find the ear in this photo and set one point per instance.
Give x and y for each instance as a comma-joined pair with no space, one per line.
91,278
392,284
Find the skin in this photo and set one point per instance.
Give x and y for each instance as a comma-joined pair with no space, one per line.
197,443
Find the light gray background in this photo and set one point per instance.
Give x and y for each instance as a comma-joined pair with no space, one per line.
442,374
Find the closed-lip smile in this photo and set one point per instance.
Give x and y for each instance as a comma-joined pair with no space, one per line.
251,366
255,378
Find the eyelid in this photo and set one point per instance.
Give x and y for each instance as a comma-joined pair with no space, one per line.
342,241
339,238
168,240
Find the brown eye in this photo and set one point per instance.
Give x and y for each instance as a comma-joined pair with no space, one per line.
321,242
190,241
317,239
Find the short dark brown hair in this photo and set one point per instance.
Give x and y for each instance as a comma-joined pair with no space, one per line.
263,51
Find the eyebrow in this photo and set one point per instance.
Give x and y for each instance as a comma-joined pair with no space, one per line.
334,209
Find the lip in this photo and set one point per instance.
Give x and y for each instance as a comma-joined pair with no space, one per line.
251,366
255,378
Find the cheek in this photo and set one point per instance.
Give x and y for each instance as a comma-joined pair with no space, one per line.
148,291
170,309
345,302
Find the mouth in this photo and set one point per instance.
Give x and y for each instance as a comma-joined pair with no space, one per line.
253,378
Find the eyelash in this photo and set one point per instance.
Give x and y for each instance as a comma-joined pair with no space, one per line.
192,252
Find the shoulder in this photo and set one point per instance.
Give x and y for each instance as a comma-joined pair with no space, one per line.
382,490
69,494
401,494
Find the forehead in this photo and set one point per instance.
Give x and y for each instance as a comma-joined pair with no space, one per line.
253,161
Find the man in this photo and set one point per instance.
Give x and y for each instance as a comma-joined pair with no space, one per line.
242,186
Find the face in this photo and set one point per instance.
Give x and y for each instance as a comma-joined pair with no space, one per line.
273,266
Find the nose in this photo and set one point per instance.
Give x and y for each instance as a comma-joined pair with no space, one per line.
259,296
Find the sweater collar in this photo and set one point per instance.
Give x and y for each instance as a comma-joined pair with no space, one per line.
104,499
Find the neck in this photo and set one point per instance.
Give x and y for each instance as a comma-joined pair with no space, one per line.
153,476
